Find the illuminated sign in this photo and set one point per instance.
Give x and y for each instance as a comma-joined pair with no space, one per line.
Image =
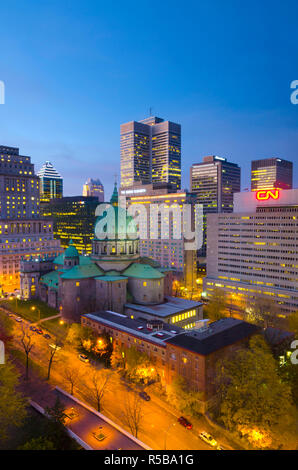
265,194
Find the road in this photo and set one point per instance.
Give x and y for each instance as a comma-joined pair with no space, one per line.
160,428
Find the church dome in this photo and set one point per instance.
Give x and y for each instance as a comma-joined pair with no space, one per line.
71,251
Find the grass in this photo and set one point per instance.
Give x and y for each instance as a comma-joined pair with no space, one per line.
55,328
24,309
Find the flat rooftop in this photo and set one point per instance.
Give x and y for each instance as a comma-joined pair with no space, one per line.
136,327
171,306
216,336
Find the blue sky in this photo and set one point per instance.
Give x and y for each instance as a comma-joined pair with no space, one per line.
75,70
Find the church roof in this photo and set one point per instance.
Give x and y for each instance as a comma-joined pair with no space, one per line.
51,279
82,272
82,259
106,278
142,271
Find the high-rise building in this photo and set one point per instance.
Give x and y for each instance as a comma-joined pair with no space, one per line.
271,173
94,188
150,152
23,233
169,252
51,182
214,181
254,251
73,219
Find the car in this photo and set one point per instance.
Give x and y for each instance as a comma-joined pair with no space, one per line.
184,422
208,439
18,319
145,396
220,447
83,358
39,331
47,336
99,435
33,328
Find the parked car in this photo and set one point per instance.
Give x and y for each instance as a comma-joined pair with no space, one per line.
145,396
220,447
83,358
208,439
39,331
18,319
47,336
33,328
184,422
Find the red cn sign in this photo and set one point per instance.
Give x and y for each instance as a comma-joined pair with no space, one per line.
265,194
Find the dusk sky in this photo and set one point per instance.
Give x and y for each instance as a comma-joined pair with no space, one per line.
75,70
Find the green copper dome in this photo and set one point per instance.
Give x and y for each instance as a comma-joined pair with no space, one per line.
120,215
71,251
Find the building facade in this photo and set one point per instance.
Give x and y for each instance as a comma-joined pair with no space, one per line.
51,183
73,219
94,188
150,152
168,251
254,251
270,173
191,354
214,181
23,233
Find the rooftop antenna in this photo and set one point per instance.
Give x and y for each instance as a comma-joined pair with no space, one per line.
116,178
150,111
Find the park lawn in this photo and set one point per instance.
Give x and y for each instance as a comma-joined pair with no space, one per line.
55,328
33,427
24,309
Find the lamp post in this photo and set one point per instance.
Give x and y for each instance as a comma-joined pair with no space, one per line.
36,308
166,434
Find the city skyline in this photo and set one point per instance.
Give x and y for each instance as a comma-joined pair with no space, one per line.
228,103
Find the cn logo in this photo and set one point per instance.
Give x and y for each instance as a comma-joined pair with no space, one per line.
265,194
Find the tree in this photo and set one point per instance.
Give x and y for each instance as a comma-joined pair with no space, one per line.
6,328
75,334
53,349
99,386
132,412
117,357
12,403
252,398
55,429
139,366
182,398
27,344
293,323
263,312
72,377
216,306
39,443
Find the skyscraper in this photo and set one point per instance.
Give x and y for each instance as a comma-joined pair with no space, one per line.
150,152
22,232
271,173
51,182
73,219
214,181
94,188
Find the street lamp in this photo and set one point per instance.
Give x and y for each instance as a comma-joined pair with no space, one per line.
166,434
33,308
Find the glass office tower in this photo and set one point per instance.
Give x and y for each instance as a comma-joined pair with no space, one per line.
271,173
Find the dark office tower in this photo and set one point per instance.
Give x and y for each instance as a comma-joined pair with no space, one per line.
271,173
215,180
51,183
150,152
73,219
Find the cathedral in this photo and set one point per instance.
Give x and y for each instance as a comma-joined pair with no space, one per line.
113,278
